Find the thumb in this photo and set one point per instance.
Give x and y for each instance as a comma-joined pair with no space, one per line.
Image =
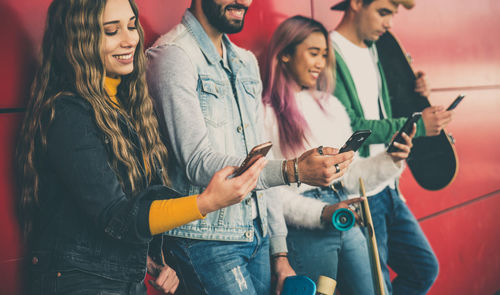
226,171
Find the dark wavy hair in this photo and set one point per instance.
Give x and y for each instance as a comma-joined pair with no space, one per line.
71,63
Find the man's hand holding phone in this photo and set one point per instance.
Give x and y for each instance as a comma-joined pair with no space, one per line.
402,148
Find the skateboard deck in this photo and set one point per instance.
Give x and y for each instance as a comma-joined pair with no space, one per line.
433,160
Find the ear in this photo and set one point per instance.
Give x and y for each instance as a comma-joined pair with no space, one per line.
285,58
356,5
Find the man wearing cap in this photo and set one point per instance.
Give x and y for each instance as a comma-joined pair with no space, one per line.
362,88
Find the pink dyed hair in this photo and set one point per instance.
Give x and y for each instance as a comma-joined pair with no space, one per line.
279,84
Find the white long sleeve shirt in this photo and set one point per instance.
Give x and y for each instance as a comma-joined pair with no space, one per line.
329,125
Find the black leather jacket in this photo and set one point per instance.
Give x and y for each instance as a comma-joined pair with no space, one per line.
86,220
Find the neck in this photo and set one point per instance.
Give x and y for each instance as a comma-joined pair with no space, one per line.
212,33
349,29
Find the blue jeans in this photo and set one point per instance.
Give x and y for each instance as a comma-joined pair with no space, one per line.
342,256
402,245
223,267
76,282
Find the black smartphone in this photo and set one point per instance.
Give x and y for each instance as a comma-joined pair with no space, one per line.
407,128
455,102
256,153
355,141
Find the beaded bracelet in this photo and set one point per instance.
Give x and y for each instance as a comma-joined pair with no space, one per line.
296,170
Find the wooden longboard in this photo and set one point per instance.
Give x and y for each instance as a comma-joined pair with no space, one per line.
366,216
433,160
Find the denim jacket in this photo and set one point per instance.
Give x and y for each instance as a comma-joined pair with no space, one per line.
87,220
212,115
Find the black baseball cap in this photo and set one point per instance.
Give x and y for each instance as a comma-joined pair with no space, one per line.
342,5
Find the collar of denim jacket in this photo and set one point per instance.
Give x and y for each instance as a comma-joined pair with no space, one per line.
206,45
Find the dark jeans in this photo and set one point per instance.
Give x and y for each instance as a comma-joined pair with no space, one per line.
402,245
75,282
223,267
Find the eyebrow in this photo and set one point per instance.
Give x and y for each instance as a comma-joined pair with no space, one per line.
387,11
117,21
314,48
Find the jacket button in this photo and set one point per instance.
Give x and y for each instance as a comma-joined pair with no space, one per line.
34,260
239,129
249,234
247,201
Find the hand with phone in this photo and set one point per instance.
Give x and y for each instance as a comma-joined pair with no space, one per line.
320,169
401,143
224,190
436,117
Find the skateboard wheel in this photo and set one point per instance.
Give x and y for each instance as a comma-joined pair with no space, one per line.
298,285
343,219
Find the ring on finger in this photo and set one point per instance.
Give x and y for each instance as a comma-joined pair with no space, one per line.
337,168
320,150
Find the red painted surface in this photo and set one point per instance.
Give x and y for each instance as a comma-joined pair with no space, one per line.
468,249
453,41
10,247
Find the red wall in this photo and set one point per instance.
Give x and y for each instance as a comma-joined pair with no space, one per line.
451,40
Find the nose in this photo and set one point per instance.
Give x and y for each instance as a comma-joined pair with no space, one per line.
129,38
388,23
320,63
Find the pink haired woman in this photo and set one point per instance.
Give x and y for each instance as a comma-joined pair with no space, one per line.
300,114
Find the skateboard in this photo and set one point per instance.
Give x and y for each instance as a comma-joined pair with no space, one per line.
298,285
343,219
367,225
433,160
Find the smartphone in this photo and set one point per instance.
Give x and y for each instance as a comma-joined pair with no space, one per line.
455,102
355,141
407,128
256,153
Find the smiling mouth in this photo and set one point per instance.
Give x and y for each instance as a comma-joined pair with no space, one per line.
315,74
236,11
124,56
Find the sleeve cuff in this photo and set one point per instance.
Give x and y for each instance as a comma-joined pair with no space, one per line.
277,244
272,175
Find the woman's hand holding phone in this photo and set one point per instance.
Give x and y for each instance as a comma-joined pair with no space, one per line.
403,149
320,169
223,191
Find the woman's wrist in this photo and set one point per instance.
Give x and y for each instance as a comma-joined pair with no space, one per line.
205,206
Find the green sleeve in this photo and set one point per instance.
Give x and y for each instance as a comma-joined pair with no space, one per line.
382,130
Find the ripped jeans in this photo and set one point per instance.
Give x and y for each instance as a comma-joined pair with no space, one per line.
223,267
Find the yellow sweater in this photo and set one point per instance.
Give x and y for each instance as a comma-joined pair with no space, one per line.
164,215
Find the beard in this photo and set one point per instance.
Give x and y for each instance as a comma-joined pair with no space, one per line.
216,16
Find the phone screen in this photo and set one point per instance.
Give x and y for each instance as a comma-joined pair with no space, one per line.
455,102
256,153
407,127
355,141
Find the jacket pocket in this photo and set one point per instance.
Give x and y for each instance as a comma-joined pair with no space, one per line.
212,101
251,87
